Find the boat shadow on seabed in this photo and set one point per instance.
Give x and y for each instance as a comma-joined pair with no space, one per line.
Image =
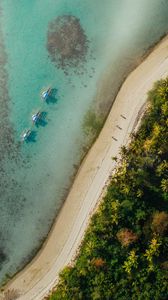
42,120
32,137
52,97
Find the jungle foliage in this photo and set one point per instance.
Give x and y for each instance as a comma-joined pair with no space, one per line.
124,254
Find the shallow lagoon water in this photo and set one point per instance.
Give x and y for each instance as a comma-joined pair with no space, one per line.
35,176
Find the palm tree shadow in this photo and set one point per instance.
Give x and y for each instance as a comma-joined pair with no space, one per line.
52,98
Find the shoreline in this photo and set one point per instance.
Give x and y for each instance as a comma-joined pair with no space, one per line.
40,275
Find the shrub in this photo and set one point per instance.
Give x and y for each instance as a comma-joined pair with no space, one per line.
160,222
98,262
126,237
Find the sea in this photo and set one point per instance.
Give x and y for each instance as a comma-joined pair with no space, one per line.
111,36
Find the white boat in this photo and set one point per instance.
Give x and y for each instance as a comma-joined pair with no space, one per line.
25,135
36,117
46,93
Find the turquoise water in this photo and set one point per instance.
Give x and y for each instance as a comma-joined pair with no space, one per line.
35,175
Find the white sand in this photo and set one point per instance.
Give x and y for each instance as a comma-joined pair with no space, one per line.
35,281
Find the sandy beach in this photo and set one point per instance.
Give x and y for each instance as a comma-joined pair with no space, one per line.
39,277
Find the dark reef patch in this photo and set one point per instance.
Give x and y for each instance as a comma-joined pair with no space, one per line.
2,256
11,198
8,147
67,43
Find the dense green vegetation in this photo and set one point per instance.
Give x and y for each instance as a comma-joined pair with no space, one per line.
124,252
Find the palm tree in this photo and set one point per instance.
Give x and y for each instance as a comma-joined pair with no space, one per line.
164,185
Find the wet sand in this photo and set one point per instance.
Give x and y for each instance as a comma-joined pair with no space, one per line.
40,276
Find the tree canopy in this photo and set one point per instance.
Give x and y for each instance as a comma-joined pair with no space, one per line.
124,253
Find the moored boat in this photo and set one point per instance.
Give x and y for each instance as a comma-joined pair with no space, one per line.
36,117
25,135
46,93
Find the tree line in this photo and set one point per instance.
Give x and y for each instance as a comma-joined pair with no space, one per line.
124,254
